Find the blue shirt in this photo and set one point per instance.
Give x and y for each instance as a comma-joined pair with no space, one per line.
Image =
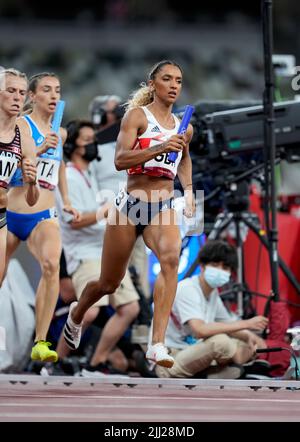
48,162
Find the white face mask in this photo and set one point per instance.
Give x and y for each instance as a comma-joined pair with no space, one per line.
216,277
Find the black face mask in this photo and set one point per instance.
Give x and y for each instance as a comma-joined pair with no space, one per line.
91,152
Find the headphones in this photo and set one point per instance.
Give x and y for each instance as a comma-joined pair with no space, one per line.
97,108
72,128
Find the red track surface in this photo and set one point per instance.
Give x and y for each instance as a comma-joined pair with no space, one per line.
148,403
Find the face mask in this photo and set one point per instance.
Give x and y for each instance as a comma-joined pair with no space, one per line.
216,277
91,152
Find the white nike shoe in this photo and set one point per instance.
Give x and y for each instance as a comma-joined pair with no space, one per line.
158,354
72,331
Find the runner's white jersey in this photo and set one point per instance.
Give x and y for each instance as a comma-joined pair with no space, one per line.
156,134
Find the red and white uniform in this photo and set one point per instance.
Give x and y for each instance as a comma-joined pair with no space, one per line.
160,166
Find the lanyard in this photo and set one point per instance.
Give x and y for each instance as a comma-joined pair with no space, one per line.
175,320
81,173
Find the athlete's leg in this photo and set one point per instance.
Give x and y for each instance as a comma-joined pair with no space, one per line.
3,232
3,235
164,240
11,245
45,244
119,240
62,349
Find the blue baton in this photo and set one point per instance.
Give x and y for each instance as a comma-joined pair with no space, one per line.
188,112
57,119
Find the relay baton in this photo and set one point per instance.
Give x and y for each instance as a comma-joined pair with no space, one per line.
182,128
57,119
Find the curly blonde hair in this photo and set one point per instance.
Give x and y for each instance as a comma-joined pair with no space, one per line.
144,96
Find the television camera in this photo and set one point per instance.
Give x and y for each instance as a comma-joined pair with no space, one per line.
227,148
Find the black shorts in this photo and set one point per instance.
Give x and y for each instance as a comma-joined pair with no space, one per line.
3,220
139,212
63,273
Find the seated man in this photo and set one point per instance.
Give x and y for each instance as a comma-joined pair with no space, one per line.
201,332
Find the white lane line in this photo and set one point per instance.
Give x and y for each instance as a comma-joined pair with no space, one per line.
114,406
88,416
145,417
159,398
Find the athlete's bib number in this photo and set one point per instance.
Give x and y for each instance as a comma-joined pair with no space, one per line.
48,172
121,199
8,166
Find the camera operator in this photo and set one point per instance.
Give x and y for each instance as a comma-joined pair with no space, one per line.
105,110
81,241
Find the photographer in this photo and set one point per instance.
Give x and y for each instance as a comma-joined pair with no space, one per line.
82,243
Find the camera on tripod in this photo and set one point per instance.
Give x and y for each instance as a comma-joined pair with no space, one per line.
229,143
241,130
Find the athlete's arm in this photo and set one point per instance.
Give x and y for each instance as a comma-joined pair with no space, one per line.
62,179
63,135
50,142
29,170
133,123
184,170
63,188
62,184
184,173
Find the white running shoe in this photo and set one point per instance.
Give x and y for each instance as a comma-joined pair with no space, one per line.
72,331
158,354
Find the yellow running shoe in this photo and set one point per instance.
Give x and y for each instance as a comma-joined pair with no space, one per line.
41,352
